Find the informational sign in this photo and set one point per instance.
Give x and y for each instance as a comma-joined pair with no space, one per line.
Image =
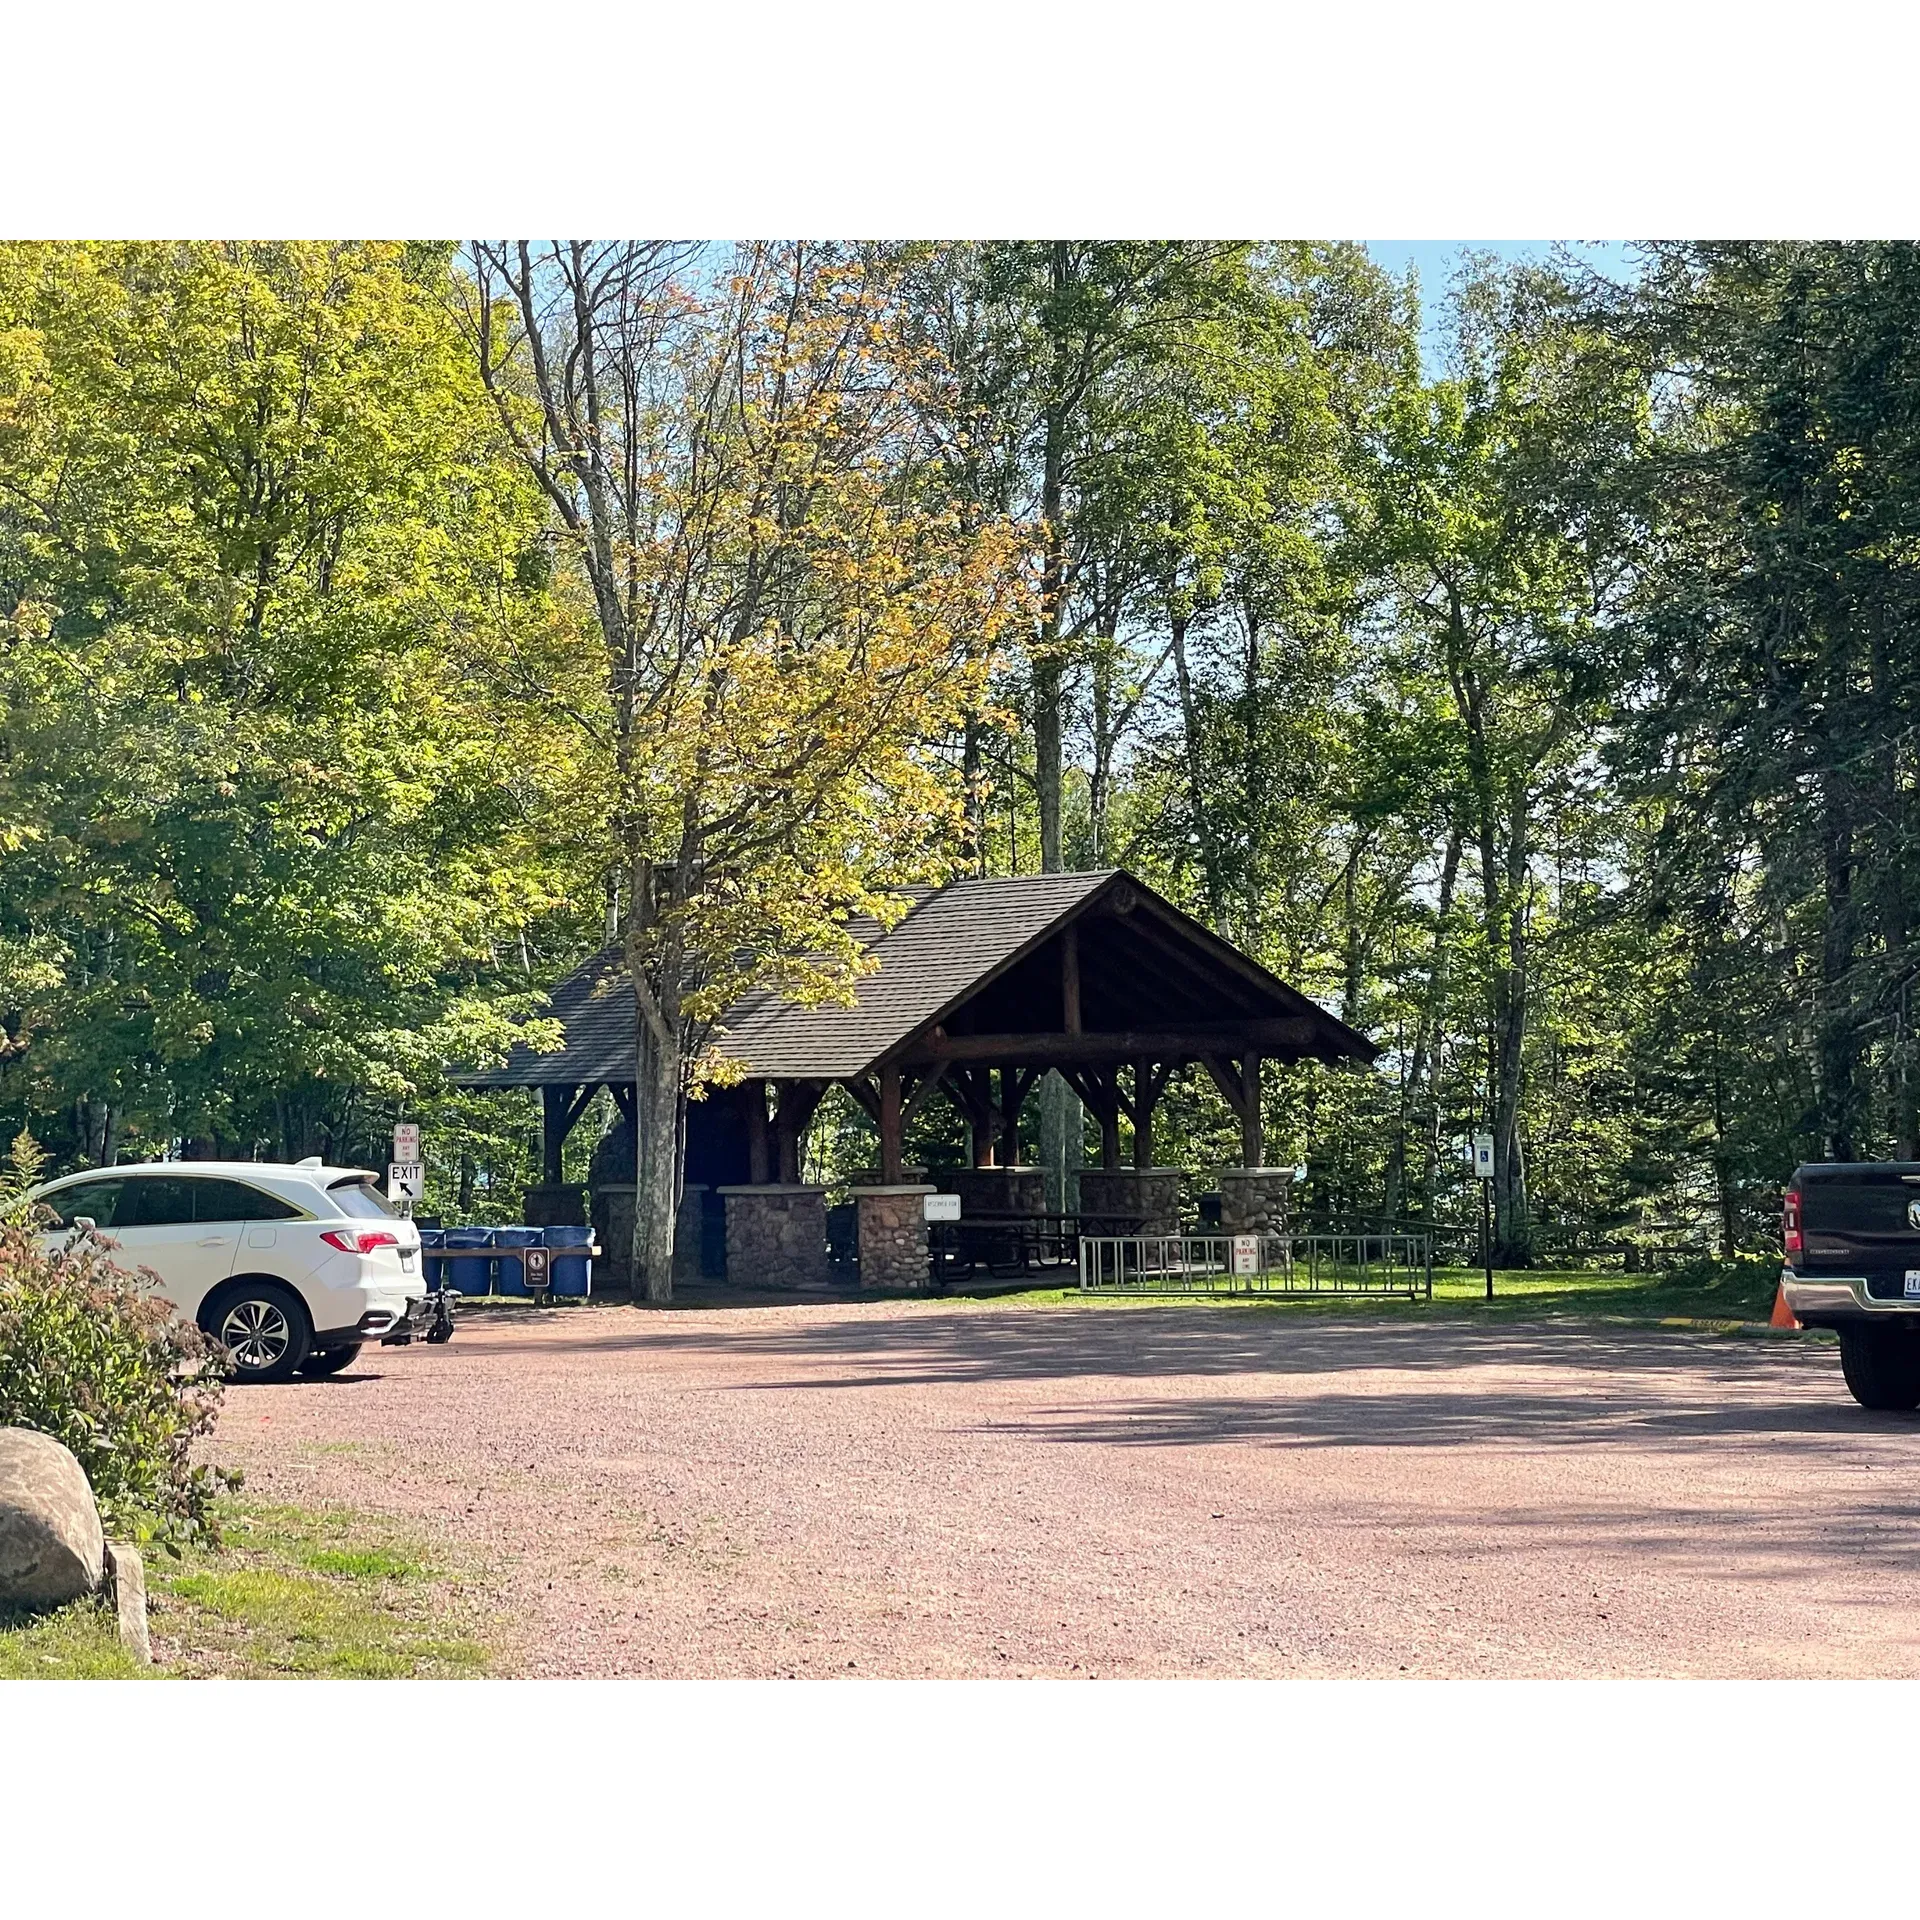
539,1268
406,1180
1246,1253
1483,1155
406,1141
939,1206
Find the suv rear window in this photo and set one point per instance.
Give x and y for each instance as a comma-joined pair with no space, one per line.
362,1200
235,1200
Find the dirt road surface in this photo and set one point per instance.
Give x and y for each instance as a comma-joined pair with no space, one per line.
952,1488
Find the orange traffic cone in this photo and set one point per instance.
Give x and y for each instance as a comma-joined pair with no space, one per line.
1782,1313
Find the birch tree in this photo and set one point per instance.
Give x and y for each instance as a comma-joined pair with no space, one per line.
793,616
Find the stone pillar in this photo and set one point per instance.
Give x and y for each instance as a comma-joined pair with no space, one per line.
555,1204
776,1236
1148,1194
893,1236
996,1189
1254,1199
613,1228
686,1232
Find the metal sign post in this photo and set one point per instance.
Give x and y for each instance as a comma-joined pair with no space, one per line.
406,1176
1483,1167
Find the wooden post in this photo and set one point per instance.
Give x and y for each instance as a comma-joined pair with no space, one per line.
1012,1092
1070,977
1252,1139
753,1097
1144,1095
786,1135
554,1102
890,1125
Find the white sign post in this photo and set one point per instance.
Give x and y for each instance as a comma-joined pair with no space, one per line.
406,1141
1483,1170
406,1180
1246,1253
939,1206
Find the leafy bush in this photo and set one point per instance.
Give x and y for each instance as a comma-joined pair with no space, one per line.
90,1357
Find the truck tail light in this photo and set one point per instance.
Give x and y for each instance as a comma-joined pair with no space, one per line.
359,1239
1790,1223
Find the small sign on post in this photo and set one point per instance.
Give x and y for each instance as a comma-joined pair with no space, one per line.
406,1141
538,1268
1246,1253
1483,1169
939,1207
406,1180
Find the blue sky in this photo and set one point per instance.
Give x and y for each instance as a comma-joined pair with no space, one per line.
1435,261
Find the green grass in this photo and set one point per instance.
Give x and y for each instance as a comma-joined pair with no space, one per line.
80,1642
1738,1293
329,1593
290,1592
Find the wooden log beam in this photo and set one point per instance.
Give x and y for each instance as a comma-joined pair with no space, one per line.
557,1115
924,1090
1070,977
890,1159
1283,1038
797,1102
1100,1094
752,1096
1147,1082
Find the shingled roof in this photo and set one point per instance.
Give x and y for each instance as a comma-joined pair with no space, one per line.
953,942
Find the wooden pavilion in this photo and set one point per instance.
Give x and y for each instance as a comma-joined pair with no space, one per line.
981,988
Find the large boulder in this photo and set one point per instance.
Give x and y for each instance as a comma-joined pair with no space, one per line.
51,1546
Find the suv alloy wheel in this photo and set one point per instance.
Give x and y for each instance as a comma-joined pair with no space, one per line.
264,1330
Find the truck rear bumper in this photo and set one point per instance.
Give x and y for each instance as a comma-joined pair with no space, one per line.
1837,1301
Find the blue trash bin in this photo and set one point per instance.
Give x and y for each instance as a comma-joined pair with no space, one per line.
469,1258
572,1265
507,1243
433,1262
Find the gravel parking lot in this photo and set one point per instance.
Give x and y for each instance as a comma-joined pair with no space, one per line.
951,1488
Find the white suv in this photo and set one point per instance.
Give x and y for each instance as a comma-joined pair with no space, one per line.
291,1269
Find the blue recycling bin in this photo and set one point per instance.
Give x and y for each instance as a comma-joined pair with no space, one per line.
508,1243
469,1258
572,1264
433,1262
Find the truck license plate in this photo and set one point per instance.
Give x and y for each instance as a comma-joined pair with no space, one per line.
1913,1283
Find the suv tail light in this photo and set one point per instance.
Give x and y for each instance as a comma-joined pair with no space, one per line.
1790,1222
359,1239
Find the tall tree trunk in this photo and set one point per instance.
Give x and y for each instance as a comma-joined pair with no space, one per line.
656,969
1427,1043
1839,1040
1196,783
1049,669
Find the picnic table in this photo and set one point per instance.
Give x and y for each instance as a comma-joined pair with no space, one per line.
1007,1244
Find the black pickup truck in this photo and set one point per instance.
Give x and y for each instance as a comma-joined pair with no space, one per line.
1851,1235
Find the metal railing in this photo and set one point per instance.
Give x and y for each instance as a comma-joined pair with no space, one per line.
1357,1262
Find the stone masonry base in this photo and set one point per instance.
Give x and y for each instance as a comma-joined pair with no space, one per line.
893,1236
1148,1194
776,1236
1254,1199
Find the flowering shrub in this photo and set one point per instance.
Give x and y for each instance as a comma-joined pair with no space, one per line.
90,1357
